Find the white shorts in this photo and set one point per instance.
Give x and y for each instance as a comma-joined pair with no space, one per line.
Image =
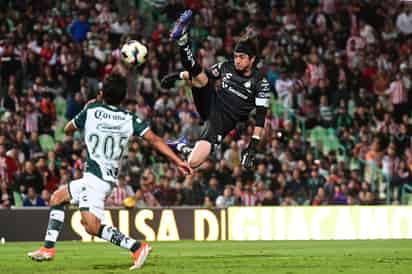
90,193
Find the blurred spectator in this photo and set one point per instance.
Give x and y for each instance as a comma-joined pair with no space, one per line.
165,194
6,196
45,196
74,105
227,199
191,192
404,21
8,166
341,72
120,192
33,199
248,197
212,191
146,194
30,178
80,27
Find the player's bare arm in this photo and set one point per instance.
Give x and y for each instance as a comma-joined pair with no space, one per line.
70,128
163,148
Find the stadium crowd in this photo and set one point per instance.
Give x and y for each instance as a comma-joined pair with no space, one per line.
339,130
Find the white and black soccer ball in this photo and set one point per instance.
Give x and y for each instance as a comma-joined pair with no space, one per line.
133,53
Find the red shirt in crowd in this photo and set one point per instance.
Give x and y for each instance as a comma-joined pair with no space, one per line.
8,168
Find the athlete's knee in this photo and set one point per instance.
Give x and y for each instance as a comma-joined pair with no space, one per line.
60,197
91,226
91,229
193,162
200,153
55,200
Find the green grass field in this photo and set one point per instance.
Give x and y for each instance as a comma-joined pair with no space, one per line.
287,257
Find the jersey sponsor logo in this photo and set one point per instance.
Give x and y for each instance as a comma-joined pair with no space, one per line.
226,79
227,76
100,115
247,84
102,127
239,94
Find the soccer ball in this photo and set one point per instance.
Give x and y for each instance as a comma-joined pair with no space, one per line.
133,53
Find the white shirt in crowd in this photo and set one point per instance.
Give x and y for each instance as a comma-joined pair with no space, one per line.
368,33
284,91
404,23
223,202
397,92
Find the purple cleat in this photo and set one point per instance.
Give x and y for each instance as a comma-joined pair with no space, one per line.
181,25
178,145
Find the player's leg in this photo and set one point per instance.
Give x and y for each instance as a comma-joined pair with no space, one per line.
214,130
199,153
55,224
196,154
204,99
93,226
91,204
210,138
180,34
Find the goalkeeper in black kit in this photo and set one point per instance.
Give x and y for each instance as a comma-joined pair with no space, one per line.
242,89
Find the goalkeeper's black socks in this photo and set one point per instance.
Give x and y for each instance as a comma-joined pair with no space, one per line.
188,60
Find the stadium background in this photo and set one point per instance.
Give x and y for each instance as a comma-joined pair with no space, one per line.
339,129
338,134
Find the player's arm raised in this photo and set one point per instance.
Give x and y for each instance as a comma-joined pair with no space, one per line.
163,148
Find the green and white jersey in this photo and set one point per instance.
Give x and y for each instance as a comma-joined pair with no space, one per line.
107,130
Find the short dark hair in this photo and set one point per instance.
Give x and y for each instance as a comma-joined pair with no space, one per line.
114,89
248,43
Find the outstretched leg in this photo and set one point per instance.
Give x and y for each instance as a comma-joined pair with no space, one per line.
55,225
202,90
196,155
91,204
93,226
180,34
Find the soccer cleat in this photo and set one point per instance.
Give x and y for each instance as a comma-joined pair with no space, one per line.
181,26
140,255
42,254
178,145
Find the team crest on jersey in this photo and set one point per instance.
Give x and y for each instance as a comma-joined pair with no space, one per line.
247,84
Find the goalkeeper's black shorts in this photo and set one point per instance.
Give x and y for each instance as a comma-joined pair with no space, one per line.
217,123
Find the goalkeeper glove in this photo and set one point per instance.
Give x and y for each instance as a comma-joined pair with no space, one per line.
248,155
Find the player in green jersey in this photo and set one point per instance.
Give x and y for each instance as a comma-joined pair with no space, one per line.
107,129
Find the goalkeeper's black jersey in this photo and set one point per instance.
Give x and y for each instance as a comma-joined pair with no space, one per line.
238,95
